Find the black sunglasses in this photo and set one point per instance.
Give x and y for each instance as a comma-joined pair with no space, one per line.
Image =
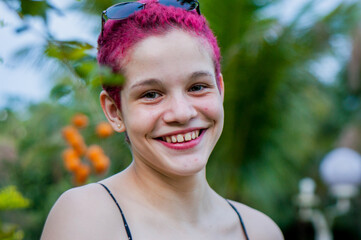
123,10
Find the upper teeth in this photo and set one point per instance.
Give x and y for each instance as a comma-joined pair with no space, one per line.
179,138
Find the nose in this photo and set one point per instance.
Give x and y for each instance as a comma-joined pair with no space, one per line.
179,110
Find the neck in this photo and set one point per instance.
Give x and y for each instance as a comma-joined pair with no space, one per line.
186,197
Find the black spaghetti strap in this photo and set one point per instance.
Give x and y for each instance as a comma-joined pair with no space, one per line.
240,219
127,227
121,212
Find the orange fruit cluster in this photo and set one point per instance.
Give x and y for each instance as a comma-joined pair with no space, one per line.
104,130
72,156
80,120
71,159
81,174
97,157
74,139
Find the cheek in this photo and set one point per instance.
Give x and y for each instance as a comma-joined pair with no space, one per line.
140,121
213,108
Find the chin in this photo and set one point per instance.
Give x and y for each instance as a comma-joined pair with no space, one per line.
188,167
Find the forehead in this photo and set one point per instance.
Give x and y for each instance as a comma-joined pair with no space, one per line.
169,56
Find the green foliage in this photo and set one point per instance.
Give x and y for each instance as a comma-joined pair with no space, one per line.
10,232
11,198
77,59
67,50
107,77
60,90
34,8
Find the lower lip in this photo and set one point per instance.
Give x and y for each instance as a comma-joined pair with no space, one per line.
184,145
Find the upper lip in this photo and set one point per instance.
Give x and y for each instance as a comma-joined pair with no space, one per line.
183,131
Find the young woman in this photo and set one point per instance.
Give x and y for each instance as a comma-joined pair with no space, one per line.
171,110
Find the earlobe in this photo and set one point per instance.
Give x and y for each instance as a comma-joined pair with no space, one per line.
111,112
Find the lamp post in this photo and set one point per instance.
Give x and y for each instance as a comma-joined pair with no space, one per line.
341,171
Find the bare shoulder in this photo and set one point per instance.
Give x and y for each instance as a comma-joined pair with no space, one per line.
79,213
258,225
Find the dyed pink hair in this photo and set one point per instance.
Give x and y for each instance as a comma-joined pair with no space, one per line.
155,19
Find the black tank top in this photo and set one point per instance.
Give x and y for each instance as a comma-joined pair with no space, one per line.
127,227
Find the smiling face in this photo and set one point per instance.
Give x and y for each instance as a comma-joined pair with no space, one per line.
171,106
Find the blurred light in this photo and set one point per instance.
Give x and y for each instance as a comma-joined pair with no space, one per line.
307,197
307,186
341,166
341,169
326,68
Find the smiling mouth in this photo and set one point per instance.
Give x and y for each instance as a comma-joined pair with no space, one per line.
180,138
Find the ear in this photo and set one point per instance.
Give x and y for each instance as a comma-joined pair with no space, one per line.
221,85
112,112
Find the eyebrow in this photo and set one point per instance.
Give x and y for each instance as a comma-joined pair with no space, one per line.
201,74
148,82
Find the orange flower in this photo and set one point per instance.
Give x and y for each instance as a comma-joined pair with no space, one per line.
81,174
80,120
104,130
71,160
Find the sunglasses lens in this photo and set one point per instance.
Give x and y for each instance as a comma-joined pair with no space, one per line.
123,10
185,4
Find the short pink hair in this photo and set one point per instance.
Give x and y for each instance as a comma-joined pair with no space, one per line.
120,35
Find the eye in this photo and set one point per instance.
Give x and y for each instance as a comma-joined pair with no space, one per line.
151,95
197,88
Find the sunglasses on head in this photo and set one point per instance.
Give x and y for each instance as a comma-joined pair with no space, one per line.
123,10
